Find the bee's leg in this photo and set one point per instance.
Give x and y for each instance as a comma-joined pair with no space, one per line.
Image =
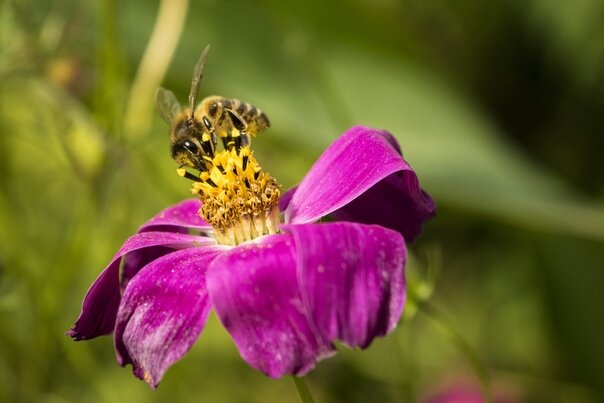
218,109
209,144
243,139
228,142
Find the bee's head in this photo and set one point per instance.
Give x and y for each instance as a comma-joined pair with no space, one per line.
186,128
187,148
188,152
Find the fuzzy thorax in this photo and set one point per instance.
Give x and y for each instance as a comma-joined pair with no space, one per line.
238,199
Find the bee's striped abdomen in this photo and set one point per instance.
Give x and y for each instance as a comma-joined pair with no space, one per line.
214,107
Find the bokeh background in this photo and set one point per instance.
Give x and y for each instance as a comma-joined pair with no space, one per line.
498,105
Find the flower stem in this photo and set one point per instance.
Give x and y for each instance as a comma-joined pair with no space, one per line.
153,65
302,388
475,362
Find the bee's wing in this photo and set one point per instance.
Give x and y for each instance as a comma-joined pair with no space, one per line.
167,104
197,75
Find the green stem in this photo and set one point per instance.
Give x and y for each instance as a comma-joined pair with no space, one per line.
153,66
302,388
112,67
477,365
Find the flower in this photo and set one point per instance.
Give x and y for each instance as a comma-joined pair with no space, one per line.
284,296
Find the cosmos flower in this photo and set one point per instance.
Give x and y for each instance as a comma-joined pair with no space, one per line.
284,284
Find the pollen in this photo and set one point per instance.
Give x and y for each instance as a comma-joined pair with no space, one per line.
238,199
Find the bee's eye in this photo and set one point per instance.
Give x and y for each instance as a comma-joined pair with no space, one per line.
190,147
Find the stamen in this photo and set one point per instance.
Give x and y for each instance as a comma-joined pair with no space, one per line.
238,199
211,183
186,174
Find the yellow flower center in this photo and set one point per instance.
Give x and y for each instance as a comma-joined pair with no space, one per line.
238,199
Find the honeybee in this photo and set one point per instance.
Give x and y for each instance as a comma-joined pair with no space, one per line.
194,131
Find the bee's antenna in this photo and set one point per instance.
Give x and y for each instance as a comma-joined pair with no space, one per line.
197,75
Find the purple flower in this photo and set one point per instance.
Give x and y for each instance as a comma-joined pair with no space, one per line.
284,297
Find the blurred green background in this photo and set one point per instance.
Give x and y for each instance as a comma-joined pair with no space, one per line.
499,106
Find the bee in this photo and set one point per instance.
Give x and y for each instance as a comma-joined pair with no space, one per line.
194,131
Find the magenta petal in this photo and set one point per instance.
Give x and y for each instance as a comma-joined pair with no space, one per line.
255,293
286,197
163,311
177,218
354,167
352,279
396,202
102,299
352,164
